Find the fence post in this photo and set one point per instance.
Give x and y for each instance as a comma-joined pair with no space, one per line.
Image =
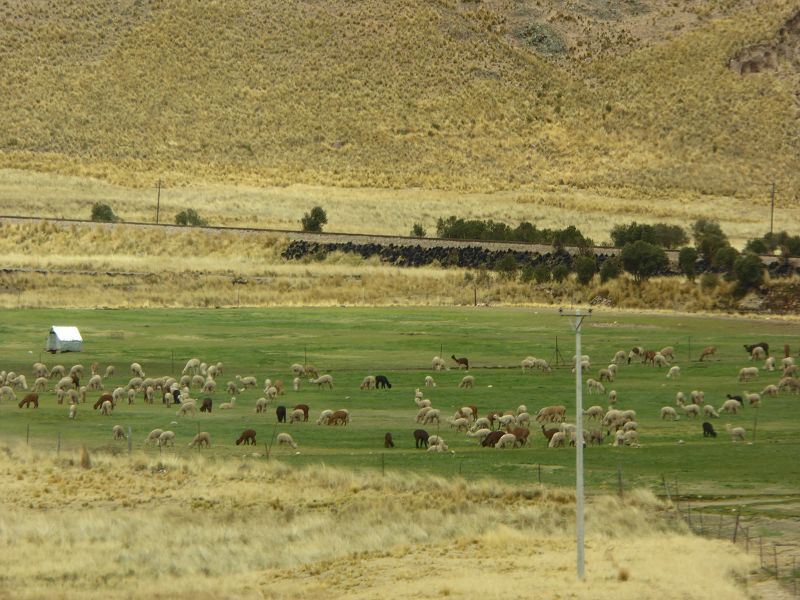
736,526
619,479
58,446
28,435
719,529
539,469
702,527
747,540
383,466
689,515
130,440
775,558
761,551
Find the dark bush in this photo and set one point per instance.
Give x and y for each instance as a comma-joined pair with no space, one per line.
314,220
610,269
585,268
660,234
418,231
643,260
103,212
708,238
191,218
560,272
724,258
541,273
748,271
687,262
507,266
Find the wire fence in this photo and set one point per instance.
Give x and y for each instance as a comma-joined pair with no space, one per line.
776,559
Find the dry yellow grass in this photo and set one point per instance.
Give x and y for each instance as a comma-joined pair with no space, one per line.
114,266
250,528
389,212
438,95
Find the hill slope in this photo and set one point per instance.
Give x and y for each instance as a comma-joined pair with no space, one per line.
453,95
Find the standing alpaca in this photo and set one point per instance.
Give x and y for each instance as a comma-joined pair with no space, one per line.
461,362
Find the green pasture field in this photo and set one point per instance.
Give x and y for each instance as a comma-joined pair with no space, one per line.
350,343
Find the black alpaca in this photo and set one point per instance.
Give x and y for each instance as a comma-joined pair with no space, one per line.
708,430
421,438
382,382
280,412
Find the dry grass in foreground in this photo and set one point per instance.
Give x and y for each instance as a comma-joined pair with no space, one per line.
250,528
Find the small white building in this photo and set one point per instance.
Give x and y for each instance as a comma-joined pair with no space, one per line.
64,339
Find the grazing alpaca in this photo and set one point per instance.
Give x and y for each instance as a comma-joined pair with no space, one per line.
206,406
280,413
421,438
28,400
382,382
491,440
708,351
387,441
201,439
304,408
248,437
461,362
708,430
118,431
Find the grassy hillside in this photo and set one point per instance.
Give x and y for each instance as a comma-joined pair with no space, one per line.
448,95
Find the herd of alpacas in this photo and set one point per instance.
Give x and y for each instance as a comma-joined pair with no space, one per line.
496,429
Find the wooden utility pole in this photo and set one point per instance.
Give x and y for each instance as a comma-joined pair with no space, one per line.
158,199
772,209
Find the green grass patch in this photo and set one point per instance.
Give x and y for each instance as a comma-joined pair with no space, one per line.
350,343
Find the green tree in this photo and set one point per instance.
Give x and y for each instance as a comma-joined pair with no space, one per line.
560,272
507,266
748,271
610,269
418,231
687,262
314,220
191,218
103,212
585,268
541,273
724,258
643,260
708,238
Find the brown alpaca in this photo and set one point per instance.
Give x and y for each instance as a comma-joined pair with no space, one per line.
462,362
708,351
304,408
30,399
339,417
248,437
102,399
387,441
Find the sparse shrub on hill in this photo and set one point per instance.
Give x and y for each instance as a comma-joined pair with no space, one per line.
643,260
788,245
724,258
687,262
585,268
660,234
474,229
708,238
102,212
507,266
610,269
189,217
314,220
560,272
418,231
748,272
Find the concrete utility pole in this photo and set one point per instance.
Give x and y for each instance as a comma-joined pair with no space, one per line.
579,520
